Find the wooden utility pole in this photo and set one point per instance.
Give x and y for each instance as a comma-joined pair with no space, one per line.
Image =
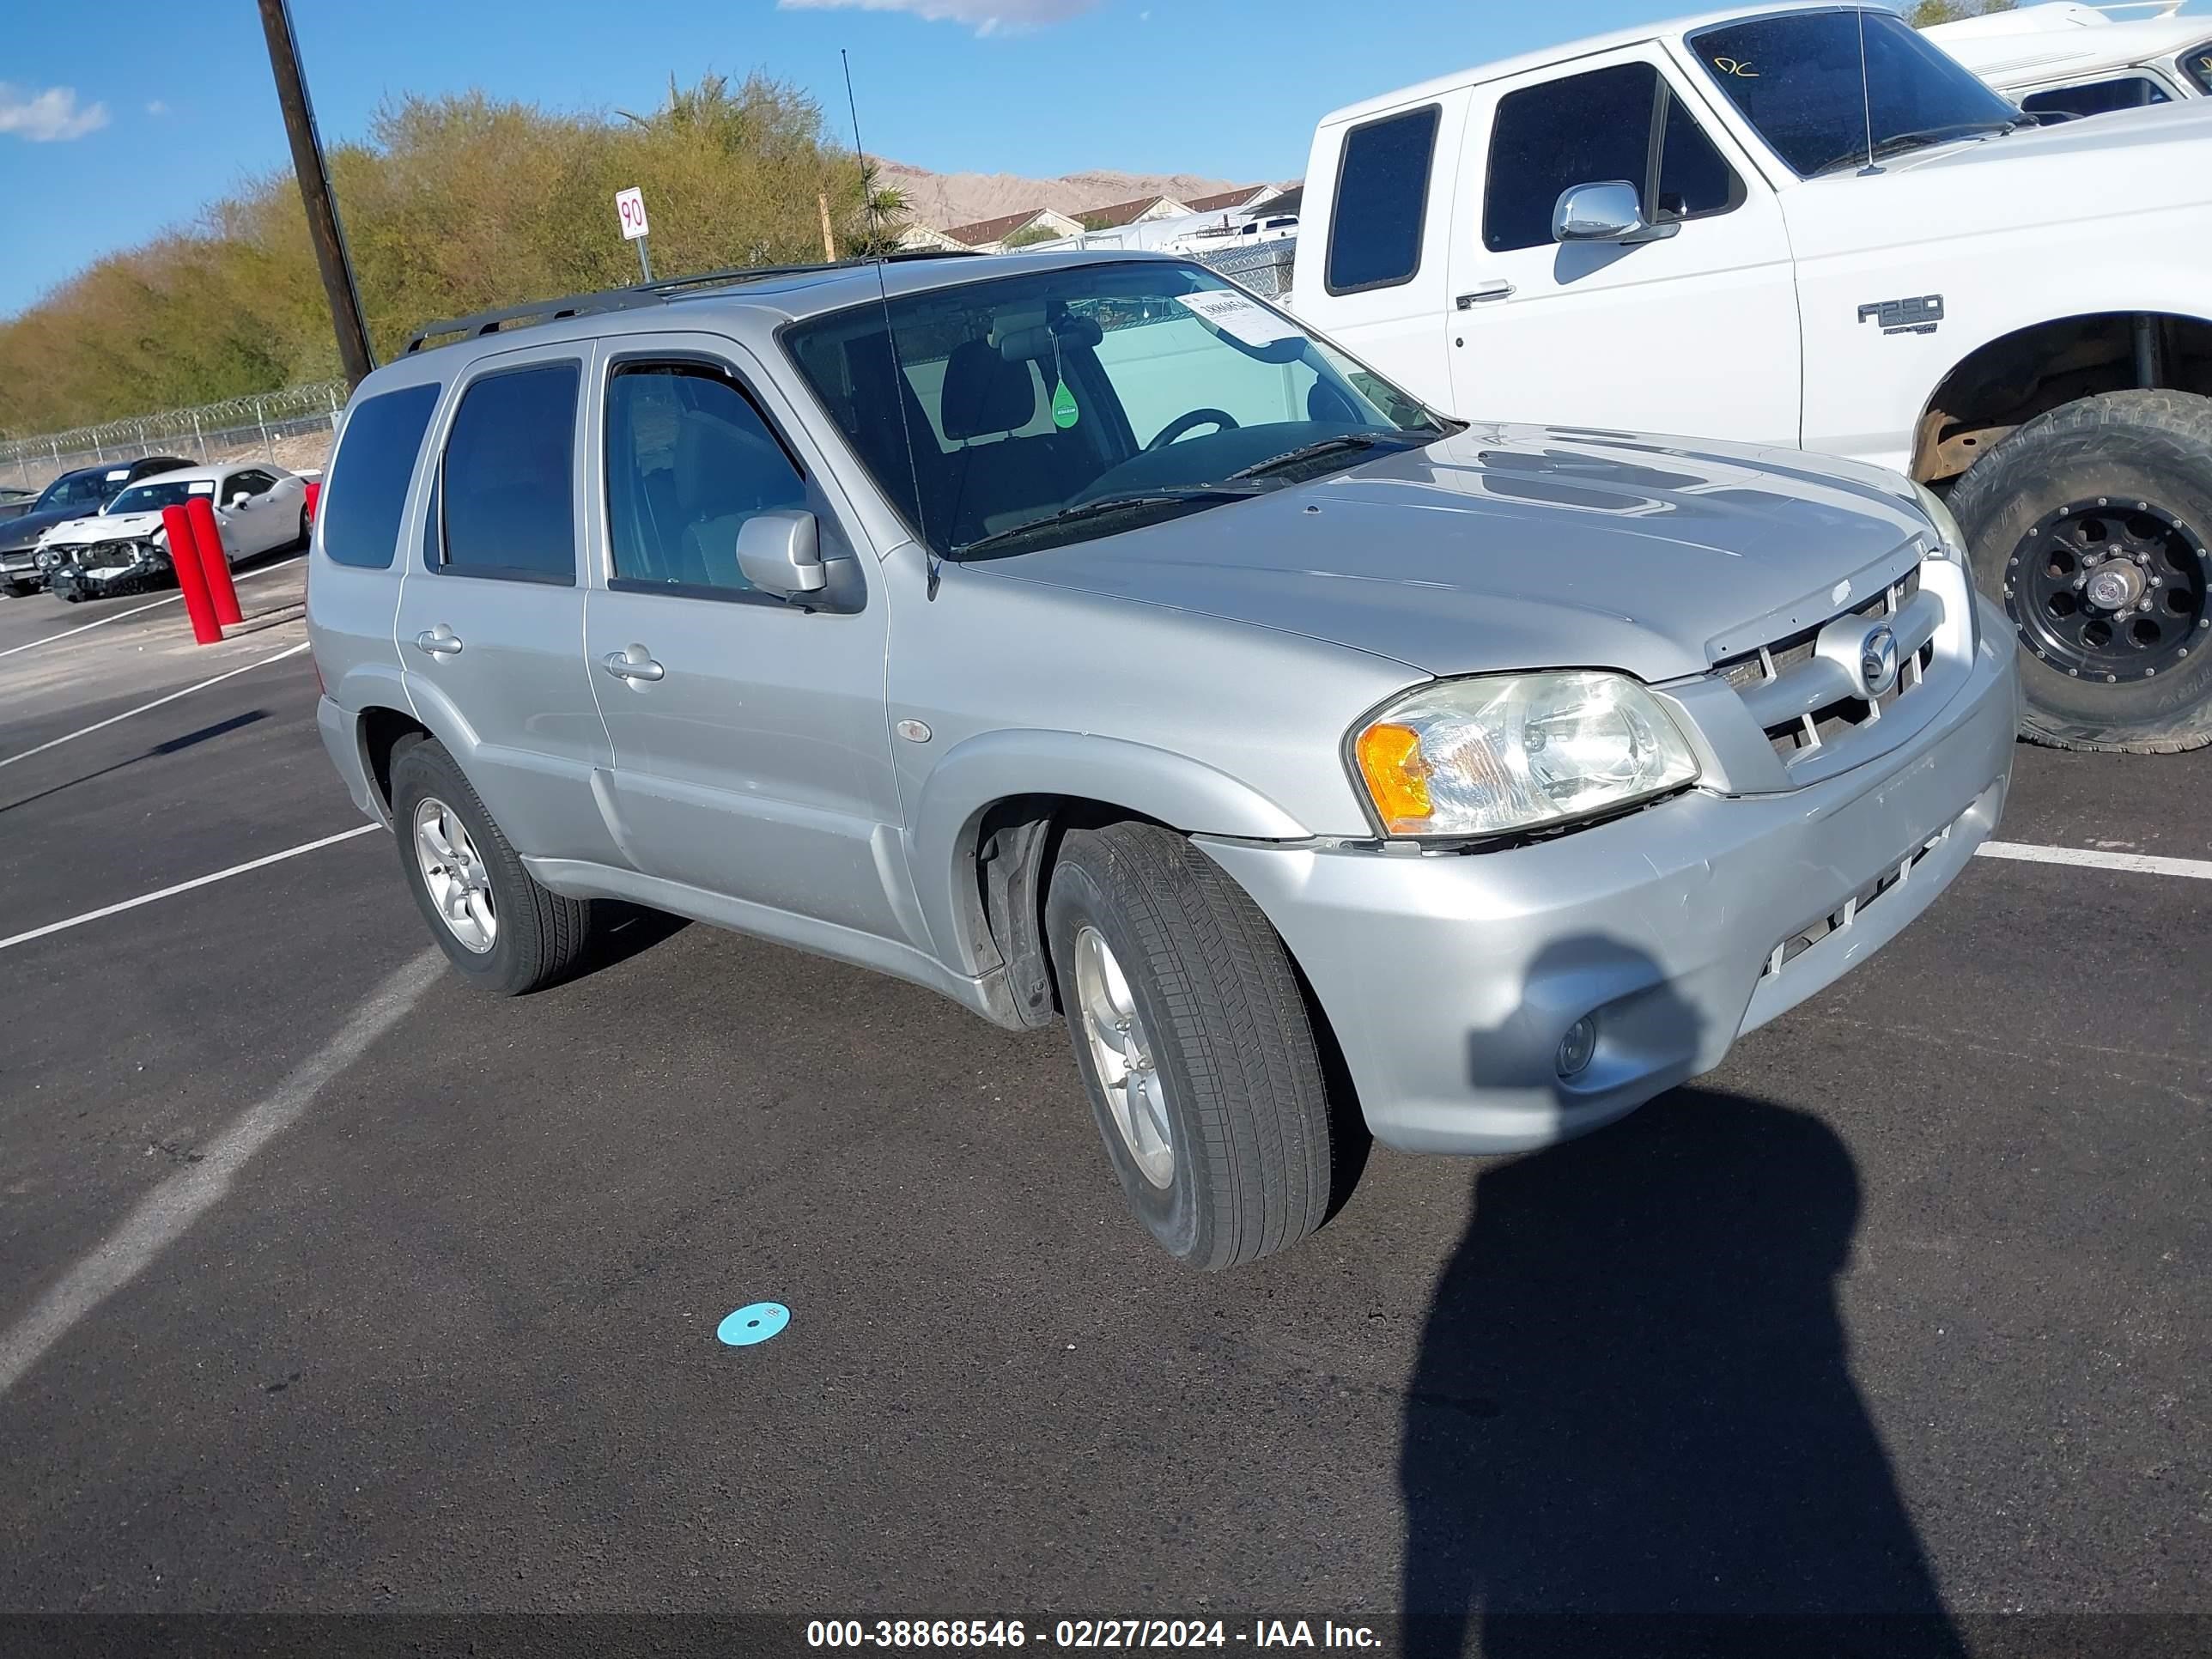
323,227
828,241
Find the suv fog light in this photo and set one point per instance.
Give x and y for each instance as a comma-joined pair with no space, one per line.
1577,1047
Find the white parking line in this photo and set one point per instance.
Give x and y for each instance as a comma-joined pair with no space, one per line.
258,662
2141,864
262,863
136,610
163,1214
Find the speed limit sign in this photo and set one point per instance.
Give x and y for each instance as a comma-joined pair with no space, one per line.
629,207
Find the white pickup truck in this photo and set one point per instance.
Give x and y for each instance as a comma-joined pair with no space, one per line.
1805,226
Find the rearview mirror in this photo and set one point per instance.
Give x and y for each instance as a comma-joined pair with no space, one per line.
1609,212
779,553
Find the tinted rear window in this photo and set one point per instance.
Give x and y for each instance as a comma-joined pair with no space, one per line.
510,464
367,491
1382,197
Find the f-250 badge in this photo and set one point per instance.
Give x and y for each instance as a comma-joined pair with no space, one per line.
1916,316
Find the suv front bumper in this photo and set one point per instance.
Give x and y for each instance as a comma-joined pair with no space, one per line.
1450,979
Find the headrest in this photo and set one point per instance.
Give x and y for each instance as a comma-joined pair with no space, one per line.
1023,343
986,393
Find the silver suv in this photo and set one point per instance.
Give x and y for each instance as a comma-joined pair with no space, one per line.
1080,637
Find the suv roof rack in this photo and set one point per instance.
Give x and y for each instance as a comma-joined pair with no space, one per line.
650,294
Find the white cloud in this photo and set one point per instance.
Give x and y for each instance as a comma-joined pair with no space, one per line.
157,107
43,117
985,16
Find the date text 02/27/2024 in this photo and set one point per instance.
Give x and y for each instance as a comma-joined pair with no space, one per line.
1087,1634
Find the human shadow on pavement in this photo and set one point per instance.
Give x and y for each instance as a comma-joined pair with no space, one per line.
1632,1426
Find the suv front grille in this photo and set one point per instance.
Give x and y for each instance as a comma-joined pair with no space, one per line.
1804,703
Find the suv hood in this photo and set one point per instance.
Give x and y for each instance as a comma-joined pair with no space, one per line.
1510,547
2131,161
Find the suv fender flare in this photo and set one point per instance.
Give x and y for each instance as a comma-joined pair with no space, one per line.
1173,789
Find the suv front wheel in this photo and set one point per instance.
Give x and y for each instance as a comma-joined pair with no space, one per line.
502,930
1195,1043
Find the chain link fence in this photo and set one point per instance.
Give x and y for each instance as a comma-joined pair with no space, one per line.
292,427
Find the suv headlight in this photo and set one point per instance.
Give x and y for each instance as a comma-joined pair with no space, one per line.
1509,752
48,558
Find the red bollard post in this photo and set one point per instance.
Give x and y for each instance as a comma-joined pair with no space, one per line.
314,495
185,560
209,534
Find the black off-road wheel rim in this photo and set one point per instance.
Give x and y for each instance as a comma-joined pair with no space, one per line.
2111,590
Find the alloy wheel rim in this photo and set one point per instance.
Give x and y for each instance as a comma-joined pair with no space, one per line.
2111,590
1121,1053
455,875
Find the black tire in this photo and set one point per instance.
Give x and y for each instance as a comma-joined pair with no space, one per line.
2153,448
16,590
539,935
299,544
72,597
1239,1069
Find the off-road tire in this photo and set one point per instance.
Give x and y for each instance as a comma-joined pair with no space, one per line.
2153,447
541,935
1236,1052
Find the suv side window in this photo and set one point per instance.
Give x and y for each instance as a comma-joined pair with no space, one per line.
1381,201
2197,60
504,498
689,459
1587,129
2097,97
366,494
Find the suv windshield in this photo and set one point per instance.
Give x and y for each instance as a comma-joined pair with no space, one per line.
1798,78
153,498
1087,399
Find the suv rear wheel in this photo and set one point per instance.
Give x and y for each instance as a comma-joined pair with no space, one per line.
1194,1040
497,925
2092,524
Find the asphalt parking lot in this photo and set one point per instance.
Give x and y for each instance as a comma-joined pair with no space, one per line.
328,1286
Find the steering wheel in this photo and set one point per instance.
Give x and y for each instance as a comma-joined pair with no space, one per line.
1182,423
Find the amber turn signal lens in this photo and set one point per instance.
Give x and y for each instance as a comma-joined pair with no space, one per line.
1397,777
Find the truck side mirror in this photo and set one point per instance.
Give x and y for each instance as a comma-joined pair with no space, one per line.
1607,212
779,553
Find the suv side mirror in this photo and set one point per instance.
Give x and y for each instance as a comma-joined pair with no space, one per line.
779,553
1609,212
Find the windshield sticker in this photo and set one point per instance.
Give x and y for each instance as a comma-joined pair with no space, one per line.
1737,67
200,487
1064,414
1236,315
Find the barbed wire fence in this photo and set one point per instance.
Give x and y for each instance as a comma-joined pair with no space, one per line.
292,427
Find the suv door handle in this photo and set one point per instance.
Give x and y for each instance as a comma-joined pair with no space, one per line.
1474,297
632,665
439,641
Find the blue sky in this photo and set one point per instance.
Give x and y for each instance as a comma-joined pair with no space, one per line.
120,123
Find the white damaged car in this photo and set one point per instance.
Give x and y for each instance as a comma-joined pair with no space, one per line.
259,507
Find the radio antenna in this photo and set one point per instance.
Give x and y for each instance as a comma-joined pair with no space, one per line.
1866,93
890,331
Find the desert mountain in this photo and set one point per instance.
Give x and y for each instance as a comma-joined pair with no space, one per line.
958,198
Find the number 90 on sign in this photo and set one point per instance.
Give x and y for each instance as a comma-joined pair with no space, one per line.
630,209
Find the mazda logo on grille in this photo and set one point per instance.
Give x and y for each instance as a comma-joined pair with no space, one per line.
1878,661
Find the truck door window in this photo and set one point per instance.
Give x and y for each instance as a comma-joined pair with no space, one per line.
2097,97
689,459
2197,60
1381,200
1589,129
506,510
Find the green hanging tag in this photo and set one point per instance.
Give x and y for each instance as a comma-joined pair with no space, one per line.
1064,414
